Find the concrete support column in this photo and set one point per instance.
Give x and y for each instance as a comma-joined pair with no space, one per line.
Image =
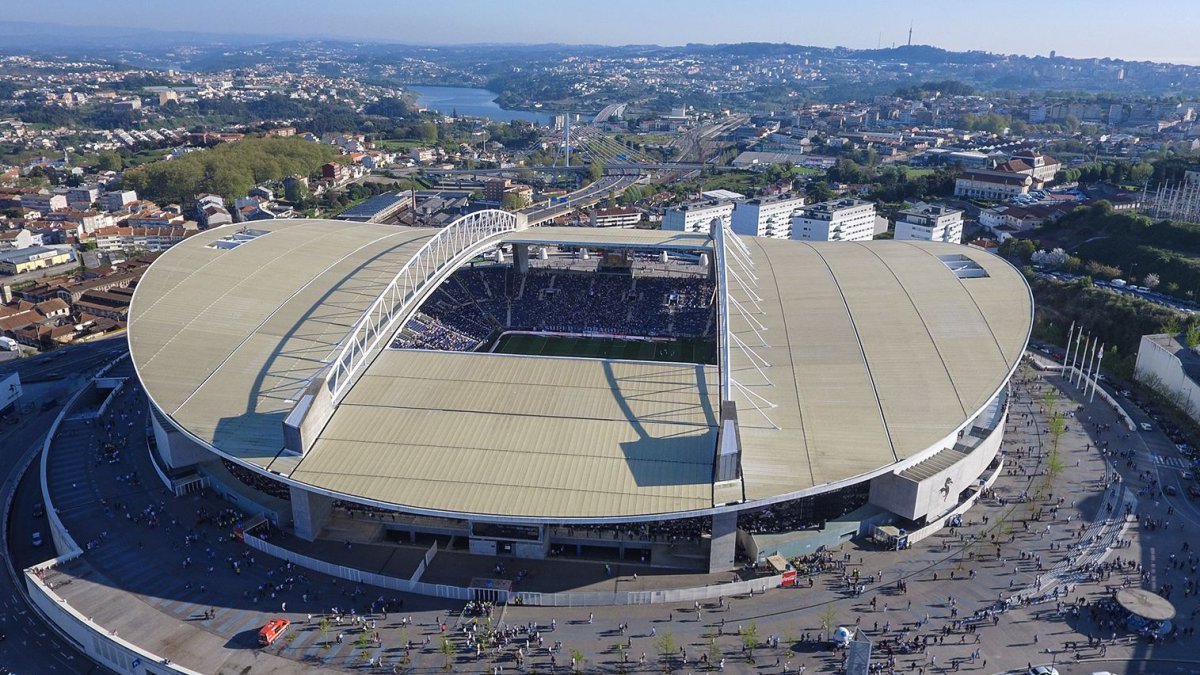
521,258
723,548
310,513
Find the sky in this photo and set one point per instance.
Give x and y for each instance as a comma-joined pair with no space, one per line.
1152,30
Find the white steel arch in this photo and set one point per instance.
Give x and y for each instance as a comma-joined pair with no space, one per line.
458,240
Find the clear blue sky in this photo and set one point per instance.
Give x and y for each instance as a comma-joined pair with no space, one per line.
1157,30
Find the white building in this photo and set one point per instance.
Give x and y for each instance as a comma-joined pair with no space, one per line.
697,216
1171,368
837,220
617,216
115,201
766,216
930,222
44,202
993,185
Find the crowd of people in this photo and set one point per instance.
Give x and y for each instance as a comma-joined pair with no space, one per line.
257,481
475,302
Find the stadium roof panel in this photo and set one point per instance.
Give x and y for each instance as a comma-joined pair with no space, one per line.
878,352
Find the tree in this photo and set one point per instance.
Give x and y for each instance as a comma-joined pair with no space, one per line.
666,645
828,618
596,170
1150,280
750,641
818,191
1192,338
296,192
1019,250
109,161
512,202
1141,172
447,650
1098,269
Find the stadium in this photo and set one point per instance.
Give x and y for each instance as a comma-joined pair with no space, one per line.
679,400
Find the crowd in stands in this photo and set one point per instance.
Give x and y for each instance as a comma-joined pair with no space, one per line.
803,513
667,531
475,302
258,481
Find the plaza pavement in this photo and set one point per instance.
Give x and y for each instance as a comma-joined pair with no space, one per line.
133,580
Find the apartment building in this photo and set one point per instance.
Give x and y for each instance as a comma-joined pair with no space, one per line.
767,216
837,220
993,185
697,216
930,222
617,216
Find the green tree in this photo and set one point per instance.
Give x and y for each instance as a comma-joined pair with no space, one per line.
1096,268
819,191
512,202
750,640
665,644
323,627
828,618
596,170
109,161
297,192
447,650
1141,172
1192,338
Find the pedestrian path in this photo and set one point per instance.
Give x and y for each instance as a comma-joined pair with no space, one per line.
1172,462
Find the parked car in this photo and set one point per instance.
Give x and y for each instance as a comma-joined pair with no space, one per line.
37,538
1146,426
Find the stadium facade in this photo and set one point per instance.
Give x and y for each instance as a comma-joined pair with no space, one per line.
667,397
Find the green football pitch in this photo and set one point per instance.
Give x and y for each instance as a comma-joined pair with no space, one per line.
677,351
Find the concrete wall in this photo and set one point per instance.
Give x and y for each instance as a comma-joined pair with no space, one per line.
310,513
1154,362
928,497
722,550
175,449
99,644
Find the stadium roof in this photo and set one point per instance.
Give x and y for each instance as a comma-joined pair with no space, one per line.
877,352
601,236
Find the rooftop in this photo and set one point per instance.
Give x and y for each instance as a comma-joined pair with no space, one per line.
877,353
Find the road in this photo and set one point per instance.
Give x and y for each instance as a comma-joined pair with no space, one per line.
63,362
588,195
30,645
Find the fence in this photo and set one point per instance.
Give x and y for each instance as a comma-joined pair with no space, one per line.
357,575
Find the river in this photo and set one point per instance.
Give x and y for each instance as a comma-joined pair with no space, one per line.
473,102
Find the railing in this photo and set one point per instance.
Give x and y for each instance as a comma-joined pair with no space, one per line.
461,238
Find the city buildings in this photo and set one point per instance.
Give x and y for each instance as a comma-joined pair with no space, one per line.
697,216
616,216
766,216
930,222
32,258
837,220
991,185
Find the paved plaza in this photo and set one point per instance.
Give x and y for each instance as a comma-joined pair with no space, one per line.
161,572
